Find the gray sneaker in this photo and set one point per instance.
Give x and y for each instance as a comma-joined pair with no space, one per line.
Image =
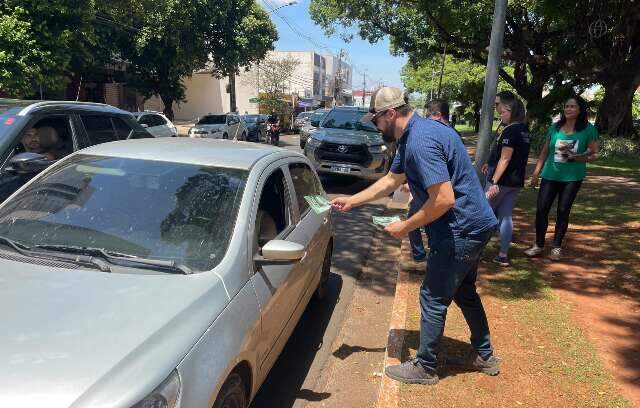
534,251
556,254
472,359
412,372
488,367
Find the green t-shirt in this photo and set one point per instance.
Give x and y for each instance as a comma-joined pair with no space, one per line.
557,167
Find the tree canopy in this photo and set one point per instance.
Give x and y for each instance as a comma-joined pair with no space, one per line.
549,44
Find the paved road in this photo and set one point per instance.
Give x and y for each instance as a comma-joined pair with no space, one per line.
294,375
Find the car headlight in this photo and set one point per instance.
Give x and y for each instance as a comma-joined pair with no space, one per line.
312,142
165,395
378,149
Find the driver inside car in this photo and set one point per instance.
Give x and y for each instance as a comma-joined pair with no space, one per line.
43,140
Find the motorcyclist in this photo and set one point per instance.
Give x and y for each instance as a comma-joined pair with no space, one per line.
274,121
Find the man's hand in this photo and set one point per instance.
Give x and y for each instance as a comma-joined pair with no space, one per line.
405,188
342,204
396,230
485,168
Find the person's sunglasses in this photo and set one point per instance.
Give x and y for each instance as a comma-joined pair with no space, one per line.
377,116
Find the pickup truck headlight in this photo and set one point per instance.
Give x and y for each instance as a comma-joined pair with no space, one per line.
378,149
312,142
165,395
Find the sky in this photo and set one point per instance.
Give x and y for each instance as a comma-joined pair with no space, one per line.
374,59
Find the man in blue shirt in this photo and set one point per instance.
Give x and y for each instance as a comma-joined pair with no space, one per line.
459,222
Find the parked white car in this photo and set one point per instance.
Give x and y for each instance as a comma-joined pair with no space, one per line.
157,273
220,126
156,123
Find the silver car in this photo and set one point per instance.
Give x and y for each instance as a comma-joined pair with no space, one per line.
220,126
156,123
157,273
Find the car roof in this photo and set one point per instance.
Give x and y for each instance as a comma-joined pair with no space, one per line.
351,108
206,152
30,107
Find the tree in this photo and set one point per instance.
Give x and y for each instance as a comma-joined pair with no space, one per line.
545,40
462,81
238,38
271,77
169,46
39,41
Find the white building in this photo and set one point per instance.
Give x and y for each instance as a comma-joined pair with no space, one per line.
205,93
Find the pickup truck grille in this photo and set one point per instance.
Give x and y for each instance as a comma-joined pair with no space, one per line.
344,153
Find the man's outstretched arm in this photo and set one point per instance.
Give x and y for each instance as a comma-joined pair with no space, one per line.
381,188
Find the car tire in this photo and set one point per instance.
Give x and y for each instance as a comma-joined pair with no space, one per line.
259,137
323,290
232,394
225,136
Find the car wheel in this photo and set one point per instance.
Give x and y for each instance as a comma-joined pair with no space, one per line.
225,136
232,394
259,137
322,291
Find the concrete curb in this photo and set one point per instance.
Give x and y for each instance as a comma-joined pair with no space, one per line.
389,391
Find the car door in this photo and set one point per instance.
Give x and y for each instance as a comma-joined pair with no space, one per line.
162,125
312,229
278,287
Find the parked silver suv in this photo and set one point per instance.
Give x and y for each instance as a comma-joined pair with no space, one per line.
343,144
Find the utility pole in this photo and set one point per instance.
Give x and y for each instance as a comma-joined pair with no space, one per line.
364,86
337,90
491,84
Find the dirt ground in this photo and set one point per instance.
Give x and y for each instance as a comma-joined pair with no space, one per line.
567,333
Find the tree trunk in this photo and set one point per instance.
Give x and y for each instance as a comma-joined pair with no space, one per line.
168,106
614,113
232,93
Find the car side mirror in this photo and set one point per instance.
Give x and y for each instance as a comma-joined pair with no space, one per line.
29,163
144,125
279,252
315,123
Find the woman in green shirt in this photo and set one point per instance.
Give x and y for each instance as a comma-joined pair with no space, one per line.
571,143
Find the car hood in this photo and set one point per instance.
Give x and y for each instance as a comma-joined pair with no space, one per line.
346,136
87,338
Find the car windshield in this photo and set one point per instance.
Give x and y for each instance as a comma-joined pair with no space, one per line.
212,120
318,116
304,115
347,119
251,118
175,211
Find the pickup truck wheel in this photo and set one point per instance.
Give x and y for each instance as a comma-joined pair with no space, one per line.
232,394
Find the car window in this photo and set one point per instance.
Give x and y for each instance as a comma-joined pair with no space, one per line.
212,120
274,209
305,183
123,129
146,120
181,212
99,128
50,136
158,120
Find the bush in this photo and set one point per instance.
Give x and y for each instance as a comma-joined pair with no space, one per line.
618,146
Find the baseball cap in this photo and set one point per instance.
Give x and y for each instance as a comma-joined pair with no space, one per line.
384,99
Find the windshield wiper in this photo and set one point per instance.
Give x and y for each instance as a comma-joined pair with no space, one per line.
118,258
25,250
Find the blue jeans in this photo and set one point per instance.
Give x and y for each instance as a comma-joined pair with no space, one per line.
415,238
502,205
452,268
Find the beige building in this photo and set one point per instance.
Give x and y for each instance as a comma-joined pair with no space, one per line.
205,93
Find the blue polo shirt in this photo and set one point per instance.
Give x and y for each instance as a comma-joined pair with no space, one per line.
429,153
